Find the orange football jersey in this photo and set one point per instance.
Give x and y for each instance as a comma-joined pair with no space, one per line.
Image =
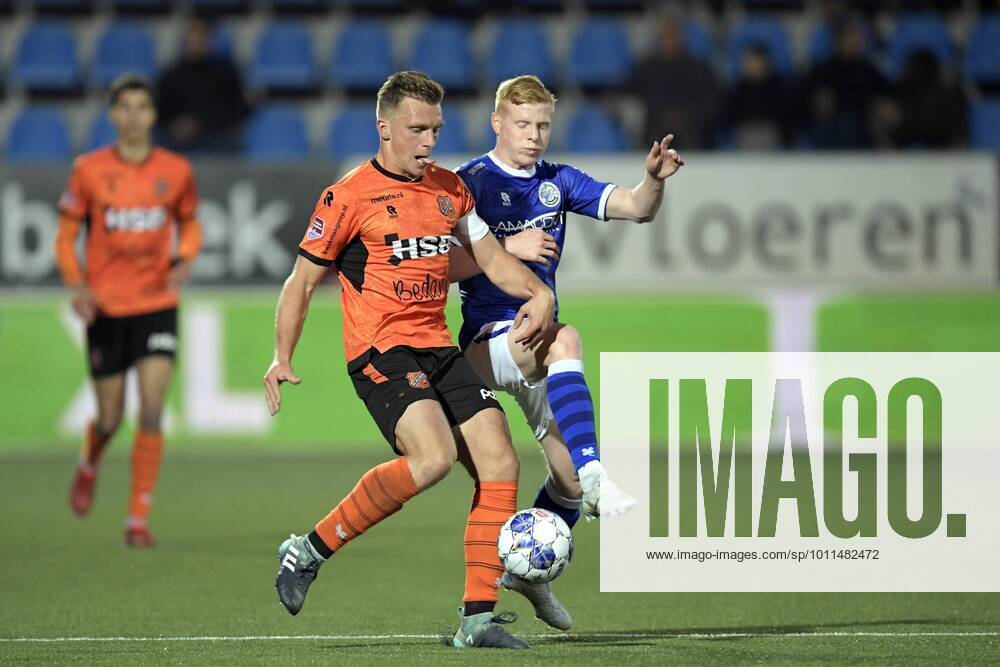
129,211
388,237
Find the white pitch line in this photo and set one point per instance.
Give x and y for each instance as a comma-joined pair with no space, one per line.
596,635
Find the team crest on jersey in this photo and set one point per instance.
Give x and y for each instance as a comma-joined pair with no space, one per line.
445,205
418,380
316,229
549,194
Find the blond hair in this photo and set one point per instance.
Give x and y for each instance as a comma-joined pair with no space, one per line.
524,89
416,85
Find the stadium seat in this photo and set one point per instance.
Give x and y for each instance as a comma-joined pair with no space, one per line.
276,134
123,48
454,136
442,48
283,59
46,59
362,57
767,32
593,131
698,41
101,132
914,32
600,55
821,44
984,125
520,47
352,132
982,54
38,135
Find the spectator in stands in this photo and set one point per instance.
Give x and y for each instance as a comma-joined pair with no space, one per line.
929,110
677,90
760,111
201,98
841,94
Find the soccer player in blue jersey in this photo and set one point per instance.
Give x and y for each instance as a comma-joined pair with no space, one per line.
524,201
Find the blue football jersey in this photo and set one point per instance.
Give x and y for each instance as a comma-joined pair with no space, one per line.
511,201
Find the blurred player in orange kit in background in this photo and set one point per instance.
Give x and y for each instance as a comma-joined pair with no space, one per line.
137,204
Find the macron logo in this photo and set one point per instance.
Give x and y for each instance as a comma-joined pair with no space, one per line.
487,394
340,532
291,558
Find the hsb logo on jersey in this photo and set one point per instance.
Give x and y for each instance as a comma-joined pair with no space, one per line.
135,219
417,247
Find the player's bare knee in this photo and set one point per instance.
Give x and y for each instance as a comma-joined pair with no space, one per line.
107,425
433,467
567,345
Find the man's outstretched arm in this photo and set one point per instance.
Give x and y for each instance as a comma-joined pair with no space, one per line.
641,203
514,278
293,305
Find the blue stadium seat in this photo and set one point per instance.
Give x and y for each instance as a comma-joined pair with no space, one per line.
454,135
46,59
362,57
283,59
767,32
914,32
821,44
982,55
984,124
593,131
352,132
698,41
276,134
520,47
123,48
600,55
38,135
101,132
442,48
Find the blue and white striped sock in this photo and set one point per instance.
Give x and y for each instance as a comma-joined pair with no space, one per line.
573,410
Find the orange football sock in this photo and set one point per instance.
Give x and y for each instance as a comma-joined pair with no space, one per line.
492,505
379,494
93,445
146,455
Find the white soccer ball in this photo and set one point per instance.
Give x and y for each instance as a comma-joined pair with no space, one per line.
535,544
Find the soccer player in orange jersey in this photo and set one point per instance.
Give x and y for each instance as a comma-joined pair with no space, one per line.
387,228
131,199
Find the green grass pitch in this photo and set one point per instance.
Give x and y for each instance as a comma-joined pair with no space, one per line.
220,517
205,594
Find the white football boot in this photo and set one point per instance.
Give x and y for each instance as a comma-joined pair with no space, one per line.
548,609
601,496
